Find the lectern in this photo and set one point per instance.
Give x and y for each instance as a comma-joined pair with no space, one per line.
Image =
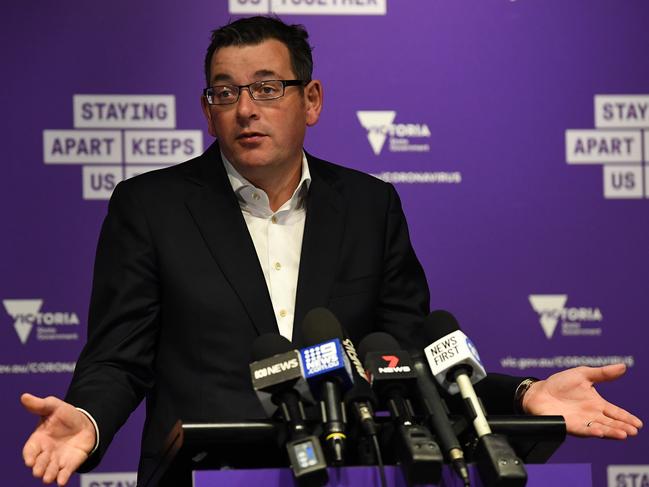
248,445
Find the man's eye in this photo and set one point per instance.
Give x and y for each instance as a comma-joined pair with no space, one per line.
224,93
267,90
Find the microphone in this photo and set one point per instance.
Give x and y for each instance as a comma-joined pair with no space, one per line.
275,366
437,413
276,369
360,397
393,378
456,365
362,401
328,372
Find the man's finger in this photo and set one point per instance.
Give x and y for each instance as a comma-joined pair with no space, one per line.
31,450
596,430
605,374
606,428
616,412
613,433
41,463
52,471
586,431
622,426
64,476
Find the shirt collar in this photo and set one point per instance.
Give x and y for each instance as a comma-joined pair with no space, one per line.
244,188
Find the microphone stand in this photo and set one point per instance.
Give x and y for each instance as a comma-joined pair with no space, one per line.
418,453
498,464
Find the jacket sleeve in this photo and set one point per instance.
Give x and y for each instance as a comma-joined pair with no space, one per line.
115,368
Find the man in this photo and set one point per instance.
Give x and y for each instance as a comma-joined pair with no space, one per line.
195,261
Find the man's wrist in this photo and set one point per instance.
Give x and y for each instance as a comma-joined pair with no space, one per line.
520,393
94,425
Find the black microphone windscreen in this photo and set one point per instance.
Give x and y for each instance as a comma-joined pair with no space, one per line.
321,325
361,391
438,324
270,344
377,342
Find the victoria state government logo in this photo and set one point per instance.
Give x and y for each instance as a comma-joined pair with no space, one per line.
50,325
380,127
552,311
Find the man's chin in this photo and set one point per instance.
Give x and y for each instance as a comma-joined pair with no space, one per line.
251,161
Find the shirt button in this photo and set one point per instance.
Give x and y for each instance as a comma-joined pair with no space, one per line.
282,313
255,196
274,219
278,266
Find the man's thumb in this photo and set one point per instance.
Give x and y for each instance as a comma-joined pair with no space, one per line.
38,405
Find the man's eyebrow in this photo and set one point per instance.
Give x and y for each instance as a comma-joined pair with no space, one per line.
266,73
221,77
259,74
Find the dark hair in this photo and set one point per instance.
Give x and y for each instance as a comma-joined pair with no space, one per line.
255,30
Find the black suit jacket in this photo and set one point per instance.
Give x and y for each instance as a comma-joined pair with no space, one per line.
179,296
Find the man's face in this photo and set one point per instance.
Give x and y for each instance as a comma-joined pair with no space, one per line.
261,136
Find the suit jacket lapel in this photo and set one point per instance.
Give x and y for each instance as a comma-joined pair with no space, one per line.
217,213
323,231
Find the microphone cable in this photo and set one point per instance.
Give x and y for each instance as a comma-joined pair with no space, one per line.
379,461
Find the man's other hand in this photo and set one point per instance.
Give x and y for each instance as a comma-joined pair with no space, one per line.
60,443
571,394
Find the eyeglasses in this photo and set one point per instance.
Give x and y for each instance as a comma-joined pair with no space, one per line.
259,90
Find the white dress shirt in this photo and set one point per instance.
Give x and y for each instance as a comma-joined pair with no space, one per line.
277,237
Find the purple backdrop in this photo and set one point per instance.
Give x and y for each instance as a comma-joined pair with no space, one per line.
516,133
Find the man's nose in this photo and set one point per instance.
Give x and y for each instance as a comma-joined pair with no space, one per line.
246,105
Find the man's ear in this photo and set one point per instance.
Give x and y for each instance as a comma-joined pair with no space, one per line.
208,116
313,97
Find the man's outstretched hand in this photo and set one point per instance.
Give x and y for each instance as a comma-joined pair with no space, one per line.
60,443
571,394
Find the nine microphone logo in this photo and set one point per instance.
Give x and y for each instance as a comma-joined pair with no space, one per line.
392,365
321,357
277,368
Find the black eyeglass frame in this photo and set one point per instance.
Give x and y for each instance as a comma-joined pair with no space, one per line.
285,82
